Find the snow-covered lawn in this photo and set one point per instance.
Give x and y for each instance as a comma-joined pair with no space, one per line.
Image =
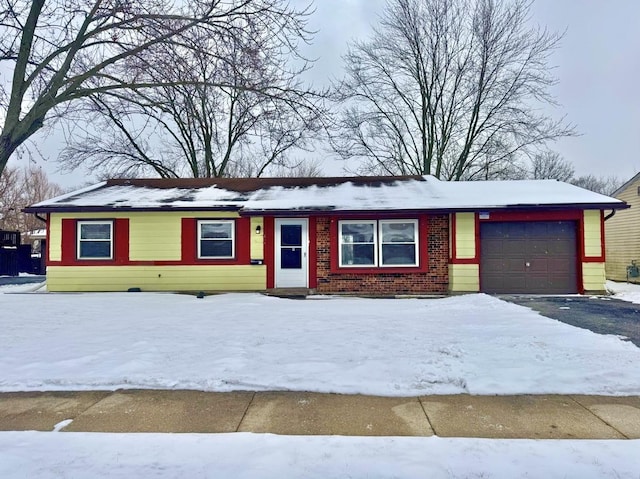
473,343
238,456
625,291
396,347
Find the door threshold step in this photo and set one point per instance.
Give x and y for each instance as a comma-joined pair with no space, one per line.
291,293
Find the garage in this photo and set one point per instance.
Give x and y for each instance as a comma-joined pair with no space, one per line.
537,257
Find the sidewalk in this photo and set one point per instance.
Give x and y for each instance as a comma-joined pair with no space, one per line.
294,413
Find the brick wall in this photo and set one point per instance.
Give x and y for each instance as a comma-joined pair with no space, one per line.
435,280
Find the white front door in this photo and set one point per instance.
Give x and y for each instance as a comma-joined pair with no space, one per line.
292,244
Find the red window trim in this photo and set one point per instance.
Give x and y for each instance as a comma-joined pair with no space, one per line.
120,244
242,242
423,246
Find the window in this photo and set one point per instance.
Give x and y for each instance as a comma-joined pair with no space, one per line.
358,243
382,243
215,239
95,239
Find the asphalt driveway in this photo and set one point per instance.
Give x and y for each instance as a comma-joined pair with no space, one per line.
600,314
5,280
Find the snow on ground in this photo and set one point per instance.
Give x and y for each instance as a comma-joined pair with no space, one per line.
625,291
474,344
243,455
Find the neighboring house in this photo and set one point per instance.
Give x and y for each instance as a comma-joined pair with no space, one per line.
623,235
363,235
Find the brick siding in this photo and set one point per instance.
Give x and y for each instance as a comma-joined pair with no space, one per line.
435,280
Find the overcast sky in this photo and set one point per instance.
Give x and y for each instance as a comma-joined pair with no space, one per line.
597,64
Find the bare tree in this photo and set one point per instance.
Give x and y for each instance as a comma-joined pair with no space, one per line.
62,52
449,88
212,125
550,165
20,188
604,185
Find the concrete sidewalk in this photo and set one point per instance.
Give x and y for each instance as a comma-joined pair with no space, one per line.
537,417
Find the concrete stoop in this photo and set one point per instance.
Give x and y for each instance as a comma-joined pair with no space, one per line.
302,413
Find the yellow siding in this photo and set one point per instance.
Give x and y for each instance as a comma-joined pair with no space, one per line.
592,233
593,277
257,240
54,241
157,278
465,235
622,235
464,278
155,236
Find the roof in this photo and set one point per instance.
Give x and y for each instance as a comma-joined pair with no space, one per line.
626,185
296,195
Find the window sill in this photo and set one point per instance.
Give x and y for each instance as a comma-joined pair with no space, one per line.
378,269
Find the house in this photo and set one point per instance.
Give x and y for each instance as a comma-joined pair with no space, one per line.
360,235
623,235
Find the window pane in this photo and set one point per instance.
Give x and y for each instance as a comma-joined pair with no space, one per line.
398,232
357,254
215,230
216,248
402,254
291,258
95,231
95,249
357,232
291,235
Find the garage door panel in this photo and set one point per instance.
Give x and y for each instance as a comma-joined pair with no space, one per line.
528,257
494,266
494,248
537,266
513,265
559,247
514,247
536,247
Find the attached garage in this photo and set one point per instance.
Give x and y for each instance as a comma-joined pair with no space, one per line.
537,257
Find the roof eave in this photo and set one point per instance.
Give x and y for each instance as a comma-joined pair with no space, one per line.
123,209
463,209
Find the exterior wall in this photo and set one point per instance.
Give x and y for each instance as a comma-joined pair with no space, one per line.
464,267
465,240
464,278
154,251
431,277
156,278
154,237
593,277
592,233
623,235
257,239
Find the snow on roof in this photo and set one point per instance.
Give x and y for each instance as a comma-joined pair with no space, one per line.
326,194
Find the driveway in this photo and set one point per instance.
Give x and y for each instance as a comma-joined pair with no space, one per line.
600,314
4,280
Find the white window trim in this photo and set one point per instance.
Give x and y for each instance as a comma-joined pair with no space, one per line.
233,238
79,240
415,243
377,243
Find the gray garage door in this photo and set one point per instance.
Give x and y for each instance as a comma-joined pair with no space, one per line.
537,257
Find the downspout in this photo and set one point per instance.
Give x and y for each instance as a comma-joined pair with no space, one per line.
610,215
44,220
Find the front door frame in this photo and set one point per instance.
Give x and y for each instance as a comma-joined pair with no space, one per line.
285,278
